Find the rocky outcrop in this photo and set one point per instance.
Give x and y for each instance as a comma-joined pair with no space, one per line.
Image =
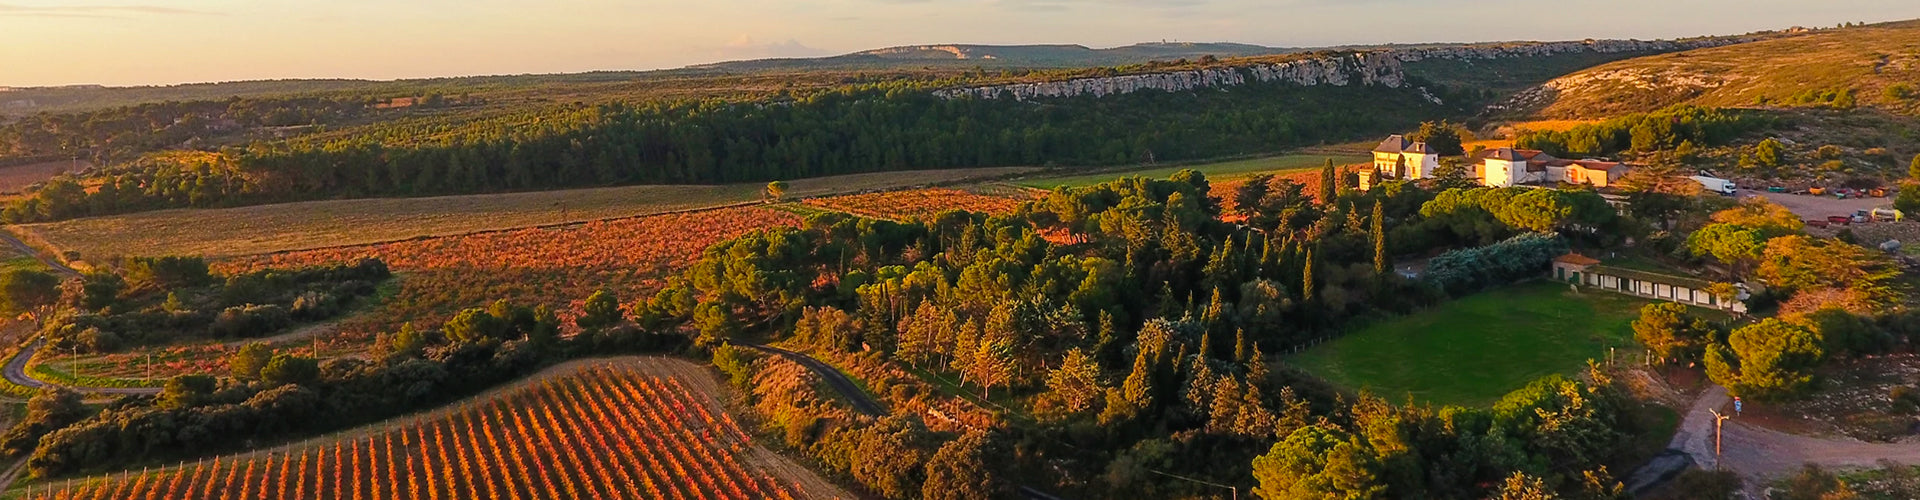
1378,67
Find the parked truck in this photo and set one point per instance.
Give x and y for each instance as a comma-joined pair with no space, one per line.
1716,184
1888,215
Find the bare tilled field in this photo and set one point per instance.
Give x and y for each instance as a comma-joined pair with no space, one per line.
300,226
16,178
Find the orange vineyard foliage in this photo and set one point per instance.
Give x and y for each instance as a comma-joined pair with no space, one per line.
1309,179
558,266
608,430
921,203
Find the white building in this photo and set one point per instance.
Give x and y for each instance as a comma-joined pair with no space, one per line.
1507,167
1399,158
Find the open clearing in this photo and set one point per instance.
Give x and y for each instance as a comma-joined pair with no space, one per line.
16,178
298,226
1474,350
1215,171
611,428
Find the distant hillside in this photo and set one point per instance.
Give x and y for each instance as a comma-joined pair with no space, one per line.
1008,56
1869,66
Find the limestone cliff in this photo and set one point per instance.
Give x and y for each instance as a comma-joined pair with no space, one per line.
1377,67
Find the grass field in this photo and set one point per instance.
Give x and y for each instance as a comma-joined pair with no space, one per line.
1773,72
11,260
618,428
1474,350
1215,171
307,225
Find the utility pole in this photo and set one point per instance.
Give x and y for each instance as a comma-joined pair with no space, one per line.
1718,419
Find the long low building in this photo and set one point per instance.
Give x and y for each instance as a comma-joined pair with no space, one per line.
1586,271
1506,167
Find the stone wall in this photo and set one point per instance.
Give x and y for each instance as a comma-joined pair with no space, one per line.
1378,67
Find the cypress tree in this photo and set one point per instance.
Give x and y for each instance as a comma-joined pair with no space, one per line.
1306,277
1379,239
1240,352
1328,188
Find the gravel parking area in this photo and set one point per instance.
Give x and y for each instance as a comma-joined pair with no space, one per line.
1819,207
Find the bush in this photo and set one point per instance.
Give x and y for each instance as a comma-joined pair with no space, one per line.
168,273
250,321
1901,92
1464,271
1905,398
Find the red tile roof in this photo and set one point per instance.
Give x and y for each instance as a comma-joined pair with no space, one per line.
1577,259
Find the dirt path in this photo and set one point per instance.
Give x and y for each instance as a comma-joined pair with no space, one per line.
1760,455
16,372
862,402
24,249
301,333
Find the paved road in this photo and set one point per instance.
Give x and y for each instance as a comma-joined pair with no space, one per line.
16,372
862,402
20,246
1760,454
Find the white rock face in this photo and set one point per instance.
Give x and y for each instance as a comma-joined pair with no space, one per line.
1379,67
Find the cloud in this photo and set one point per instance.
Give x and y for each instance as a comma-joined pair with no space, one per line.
91,10
745,47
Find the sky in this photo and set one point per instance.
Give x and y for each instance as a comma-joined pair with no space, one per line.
149,42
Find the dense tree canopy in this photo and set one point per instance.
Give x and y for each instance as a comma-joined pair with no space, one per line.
852,130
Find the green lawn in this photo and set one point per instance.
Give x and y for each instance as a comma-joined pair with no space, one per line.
1215,171
1474,350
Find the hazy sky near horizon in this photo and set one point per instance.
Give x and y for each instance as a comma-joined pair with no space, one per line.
141,42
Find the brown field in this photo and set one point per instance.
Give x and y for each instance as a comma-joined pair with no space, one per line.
300,226
15,179
558,266
613,428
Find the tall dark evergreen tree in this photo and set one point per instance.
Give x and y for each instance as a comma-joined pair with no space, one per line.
1329,183
1379,239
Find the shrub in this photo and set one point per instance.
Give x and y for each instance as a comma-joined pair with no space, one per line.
250,321
168,273
1473,269
1901,92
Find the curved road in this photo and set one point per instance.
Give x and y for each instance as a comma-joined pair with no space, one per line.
862,402
17,373
22,247
1759,454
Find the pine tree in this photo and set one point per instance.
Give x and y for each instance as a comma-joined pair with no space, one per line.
1138,388
1108,337
1200,385
1379,239
1256,366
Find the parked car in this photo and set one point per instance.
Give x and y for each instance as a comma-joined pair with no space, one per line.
1816,191
1840,219
1862,217
1817,223
1776,189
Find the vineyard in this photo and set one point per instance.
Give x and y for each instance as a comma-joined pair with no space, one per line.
1309,180
627,428
917,203
559,266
